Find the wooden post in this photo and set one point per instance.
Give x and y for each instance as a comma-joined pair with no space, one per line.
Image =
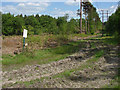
23,43
24,36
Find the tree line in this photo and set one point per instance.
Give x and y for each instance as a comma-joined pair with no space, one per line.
112,26
92,20
14,25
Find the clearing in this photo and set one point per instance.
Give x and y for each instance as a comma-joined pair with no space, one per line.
93,65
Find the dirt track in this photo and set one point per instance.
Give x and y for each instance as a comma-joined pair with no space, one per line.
101,73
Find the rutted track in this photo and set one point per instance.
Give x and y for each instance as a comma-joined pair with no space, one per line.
85,78
32,72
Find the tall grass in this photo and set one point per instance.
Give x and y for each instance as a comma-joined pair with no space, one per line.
41,56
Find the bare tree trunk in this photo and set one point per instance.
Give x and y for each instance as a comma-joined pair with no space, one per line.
88,25
85,23
95,25
81,16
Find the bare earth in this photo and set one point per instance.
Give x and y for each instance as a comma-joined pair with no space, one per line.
97,75
13,43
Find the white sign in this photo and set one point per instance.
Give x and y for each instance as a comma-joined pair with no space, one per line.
25,33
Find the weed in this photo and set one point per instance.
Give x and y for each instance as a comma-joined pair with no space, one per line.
93,45
99,54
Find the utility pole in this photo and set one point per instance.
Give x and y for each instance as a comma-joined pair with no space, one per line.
118,4
80,16
102,20
107,15
85,22
103,17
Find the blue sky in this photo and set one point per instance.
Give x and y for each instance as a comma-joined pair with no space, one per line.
55,8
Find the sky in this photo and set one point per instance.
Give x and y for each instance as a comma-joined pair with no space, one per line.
53,8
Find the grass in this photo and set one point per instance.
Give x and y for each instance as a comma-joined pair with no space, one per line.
41,56
80,35
116,80
99,54
88,64
38,41
54,54
110,40
93,45
66,73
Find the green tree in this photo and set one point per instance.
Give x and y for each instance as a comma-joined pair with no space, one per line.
7,24
48,24
112,26
92,19
18,22
31,20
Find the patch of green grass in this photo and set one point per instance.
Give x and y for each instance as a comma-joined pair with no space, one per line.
99,54
80,35
93,45
69,48
88,64
66,73
41,56
116,80
40,40
110,40
28,83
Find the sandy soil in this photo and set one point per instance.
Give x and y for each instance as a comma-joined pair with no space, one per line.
100,74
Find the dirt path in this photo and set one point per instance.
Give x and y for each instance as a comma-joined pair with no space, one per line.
32,72
86,78
100,74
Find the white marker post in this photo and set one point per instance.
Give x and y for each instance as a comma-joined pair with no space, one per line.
24,36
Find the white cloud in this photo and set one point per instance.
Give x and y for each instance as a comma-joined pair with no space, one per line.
26,8
58,9
59,13
21,4
75,2
56,0
45,4
113,9
25,0
0,7
72,2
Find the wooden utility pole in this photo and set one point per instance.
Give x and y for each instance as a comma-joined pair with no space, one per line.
85,22
80,16
102,20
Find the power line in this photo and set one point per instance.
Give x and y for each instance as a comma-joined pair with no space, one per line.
119,4
105,14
